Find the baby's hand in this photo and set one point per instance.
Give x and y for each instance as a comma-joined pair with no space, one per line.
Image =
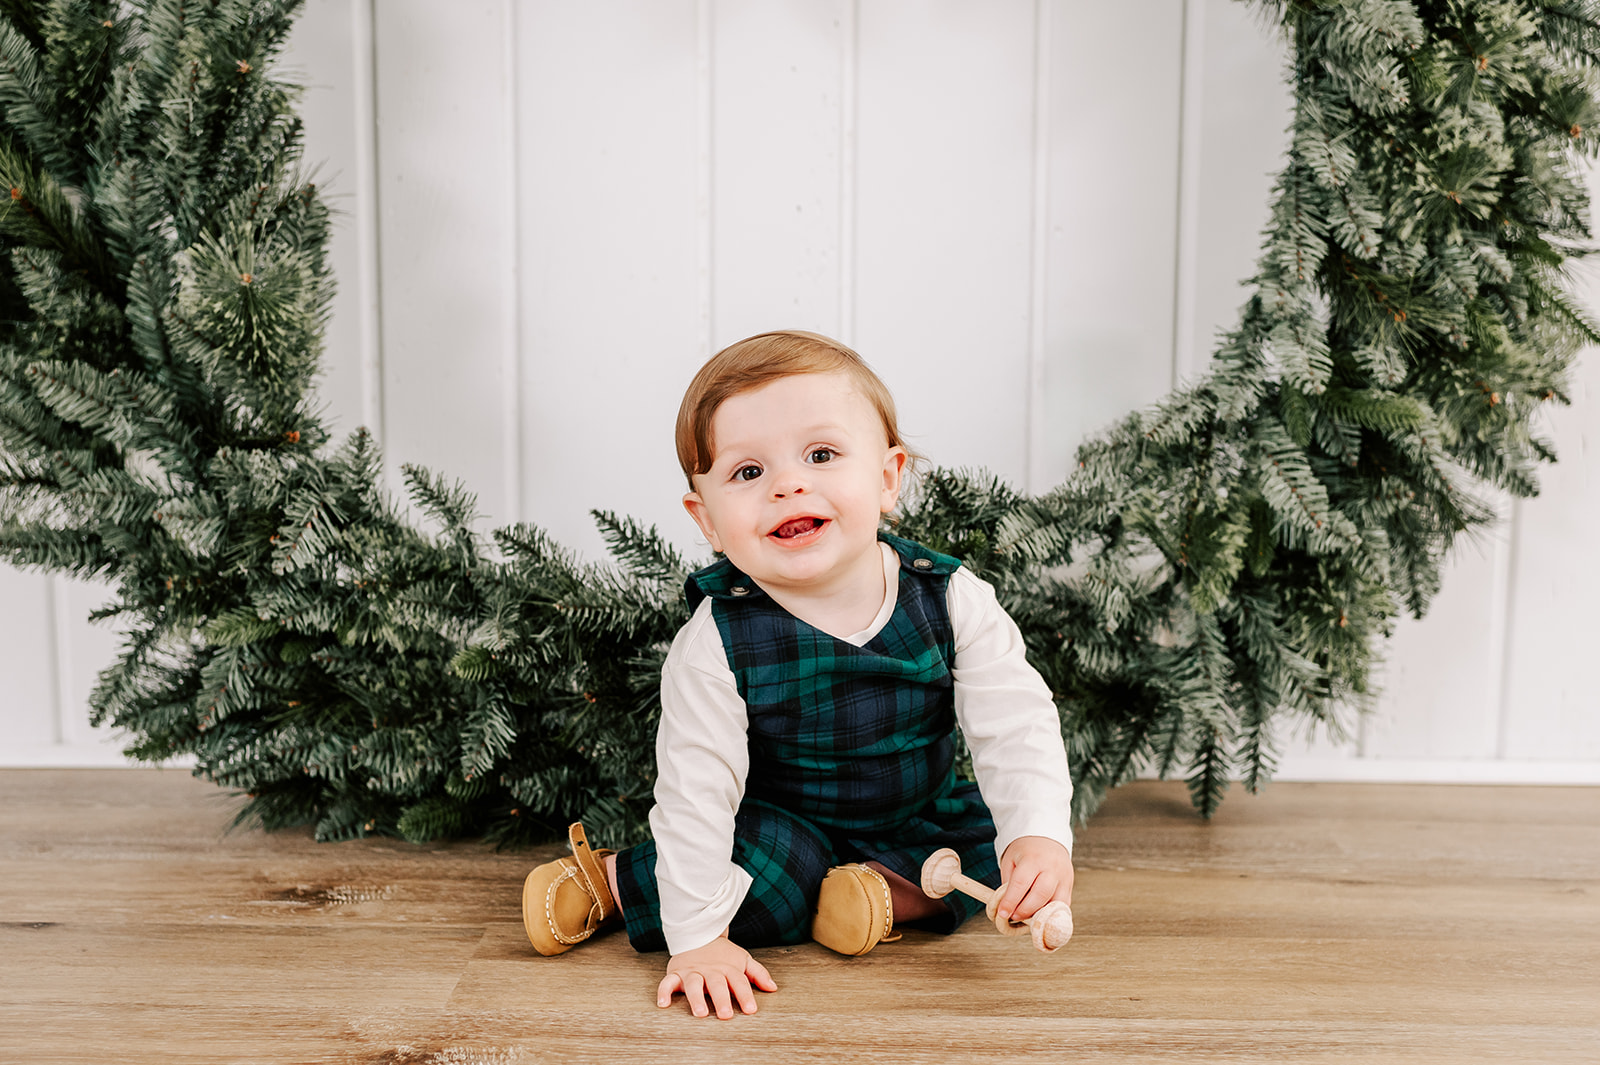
722,970
1033,871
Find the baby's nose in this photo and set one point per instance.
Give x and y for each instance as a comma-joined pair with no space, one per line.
787,484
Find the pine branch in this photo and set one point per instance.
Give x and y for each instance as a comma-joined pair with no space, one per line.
1215,565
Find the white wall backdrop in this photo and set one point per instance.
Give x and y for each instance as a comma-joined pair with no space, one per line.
553,212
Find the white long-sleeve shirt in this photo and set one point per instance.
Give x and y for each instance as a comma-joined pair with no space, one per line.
1002,705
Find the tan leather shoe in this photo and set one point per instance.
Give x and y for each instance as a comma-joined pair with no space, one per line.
568,900
854,910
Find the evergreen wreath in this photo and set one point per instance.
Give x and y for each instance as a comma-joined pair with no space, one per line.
1216,564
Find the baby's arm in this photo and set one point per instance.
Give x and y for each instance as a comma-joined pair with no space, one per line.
1014,731
721,972
702,757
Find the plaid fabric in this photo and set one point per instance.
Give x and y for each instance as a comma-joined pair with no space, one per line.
787,859
851,755
855,739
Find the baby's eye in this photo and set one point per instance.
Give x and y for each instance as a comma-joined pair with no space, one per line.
747,473
824,454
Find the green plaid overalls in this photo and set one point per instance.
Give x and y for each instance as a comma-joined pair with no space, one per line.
851,755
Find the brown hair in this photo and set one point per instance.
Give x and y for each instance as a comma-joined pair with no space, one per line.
759,360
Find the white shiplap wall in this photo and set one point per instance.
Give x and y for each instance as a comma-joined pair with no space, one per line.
553,212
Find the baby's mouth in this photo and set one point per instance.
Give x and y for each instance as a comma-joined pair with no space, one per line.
789,530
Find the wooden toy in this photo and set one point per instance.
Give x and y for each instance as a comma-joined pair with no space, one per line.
1051,926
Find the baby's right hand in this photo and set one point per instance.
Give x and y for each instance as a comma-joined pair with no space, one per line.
722,970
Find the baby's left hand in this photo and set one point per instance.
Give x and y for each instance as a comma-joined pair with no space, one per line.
1033,871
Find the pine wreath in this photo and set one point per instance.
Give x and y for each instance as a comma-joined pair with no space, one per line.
1217,564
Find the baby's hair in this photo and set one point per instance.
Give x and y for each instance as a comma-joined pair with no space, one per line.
759,360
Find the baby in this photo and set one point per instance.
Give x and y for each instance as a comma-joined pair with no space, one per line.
806,747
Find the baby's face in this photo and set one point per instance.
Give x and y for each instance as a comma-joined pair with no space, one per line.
801,475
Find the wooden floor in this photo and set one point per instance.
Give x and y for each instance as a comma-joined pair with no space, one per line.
1347,923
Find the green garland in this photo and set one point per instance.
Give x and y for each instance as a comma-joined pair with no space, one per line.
1217,564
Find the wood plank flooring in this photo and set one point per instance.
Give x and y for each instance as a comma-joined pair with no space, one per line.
1312,923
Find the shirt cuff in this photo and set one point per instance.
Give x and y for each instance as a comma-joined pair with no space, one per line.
711,916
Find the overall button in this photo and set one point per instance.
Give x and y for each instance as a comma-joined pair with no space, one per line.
738,589
923,563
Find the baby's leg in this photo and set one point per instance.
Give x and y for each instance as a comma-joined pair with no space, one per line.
786,857
965,826
910,904
611,880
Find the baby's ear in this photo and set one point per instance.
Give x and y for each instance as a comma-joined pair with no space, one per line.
702,517
894,468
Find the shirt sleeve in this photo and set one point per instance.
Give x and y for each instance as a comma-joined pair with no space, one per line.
1009,720
702,759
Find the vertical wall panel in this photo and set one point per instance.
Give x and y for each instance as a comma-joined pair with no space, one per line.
775,88
53,660
944,222
1440,693
1246,108
27,664
1440,698
1113,220
88,649
444,241
319,57
608,173
1552,707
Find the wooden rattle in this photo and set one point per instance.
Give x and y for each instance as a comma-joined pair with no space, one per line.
1051,926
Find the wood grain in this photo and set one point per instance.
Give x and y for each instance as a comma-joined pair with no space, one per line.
1312,923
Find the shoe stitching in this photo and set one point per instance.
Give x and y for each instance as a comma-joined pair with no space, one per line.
567,873
888,902
597,909
879,879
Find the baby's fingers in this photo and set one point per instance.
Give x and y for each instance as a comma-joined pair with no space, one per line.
743,994
1013,891
717,987
1040,893
759,976
693,986
694,989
